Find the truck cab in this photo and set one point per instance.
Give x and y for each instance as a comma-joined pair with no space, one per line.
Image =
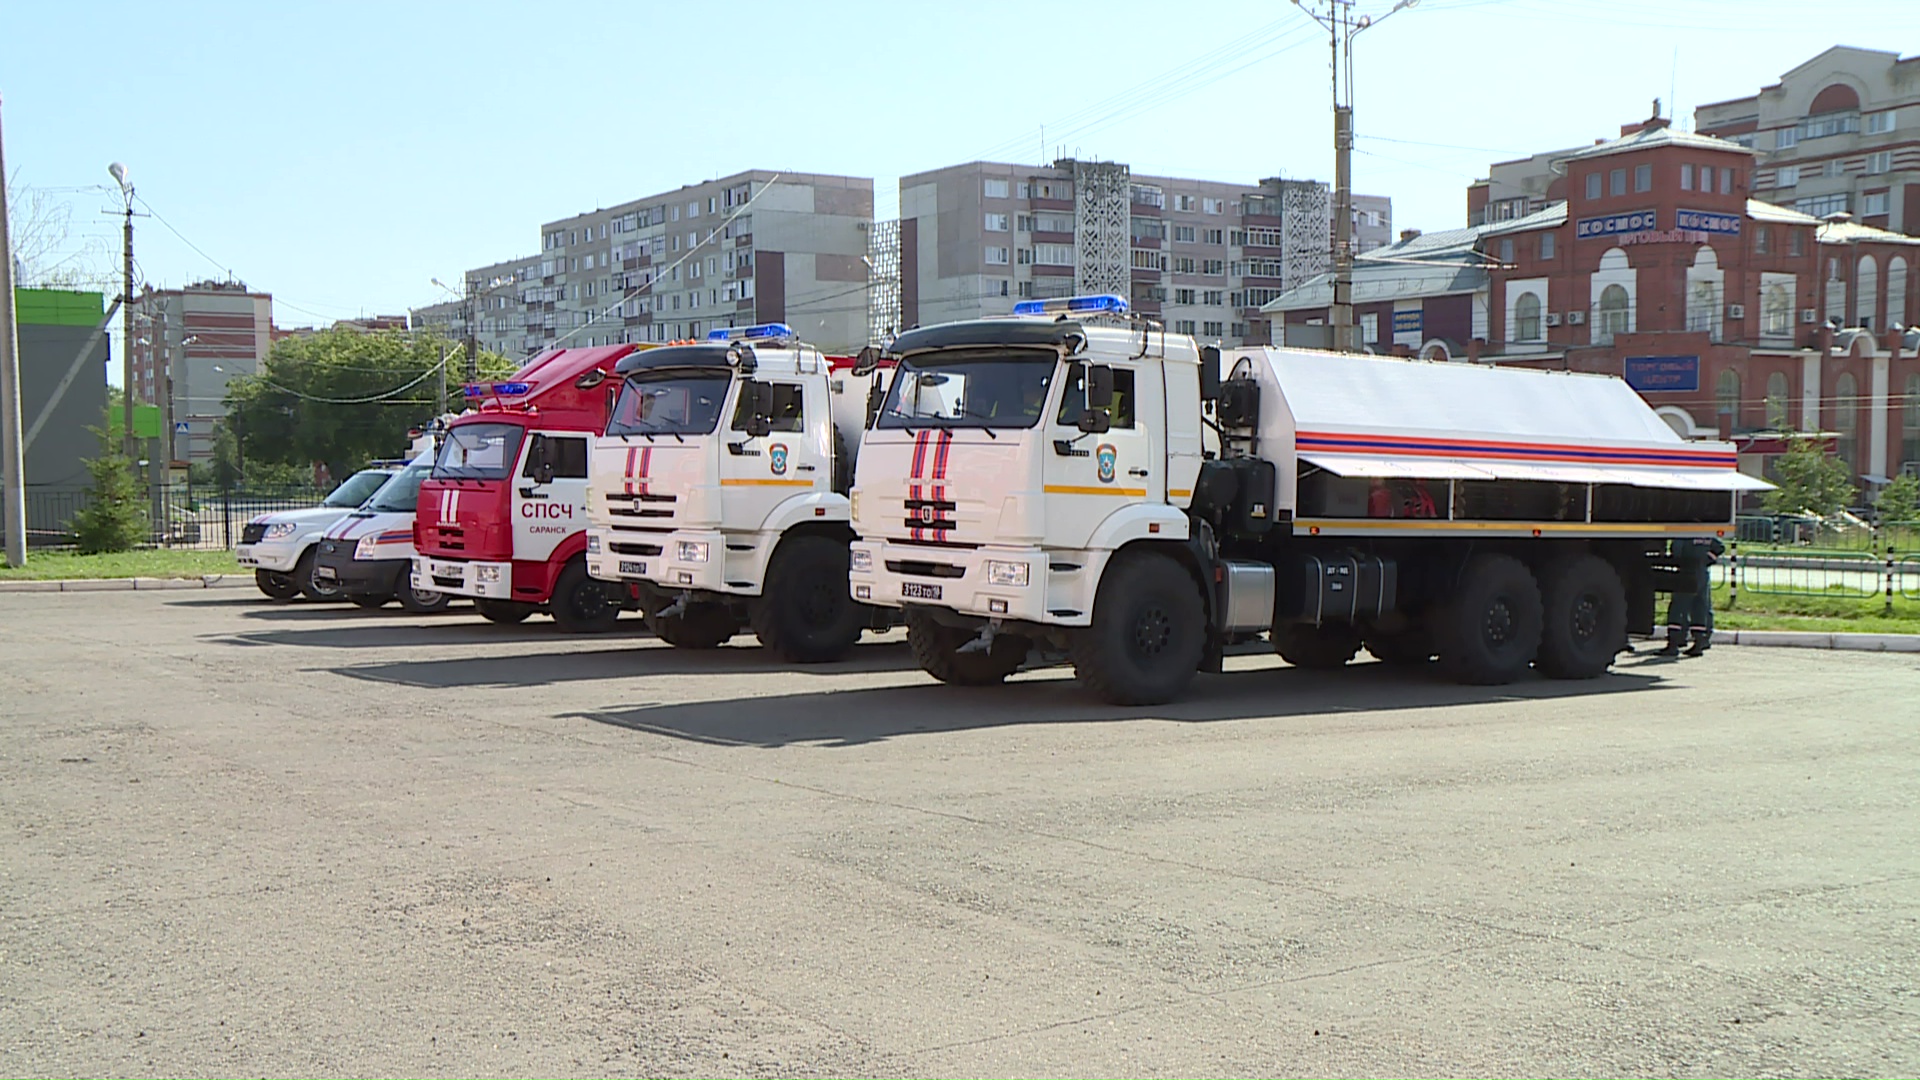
718,491
502,517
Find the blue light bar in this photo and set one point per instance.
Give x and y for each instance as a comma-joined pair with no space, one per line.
474,391
1072,305
510,389
751,333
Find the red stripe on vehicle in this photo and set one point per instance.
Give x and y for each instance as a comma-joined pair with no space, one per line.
646,469
939,492
913,490
633,454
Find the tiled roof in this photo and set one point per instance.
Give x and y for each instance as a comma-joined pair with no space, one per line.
1548,218
1374,281
1660,136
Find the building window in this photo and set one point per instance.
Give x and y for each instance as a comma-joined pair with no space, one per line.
1822,205
1786,138
1776,401
1053,254
1183,234
1211,206
1703,308
1369,330
1686,177
1726,396
1880,162
1183,296
1728,179
1762,241
1214,236
1215,267
996,189
1880,123
1873,204
1526,317
1617,182
1910,426
1896,291
1506,250
1866,282
1614,313
1776,311
1787,176
1212,329
1643,178
996,223
1796,242
1846,419
1214,297
1183,265
1593,185
997,256
1183,202
1183,326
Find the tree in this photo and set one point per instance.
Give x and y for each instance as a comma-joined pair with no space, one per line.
41,229
1899,500
342,397
116,517
1810,481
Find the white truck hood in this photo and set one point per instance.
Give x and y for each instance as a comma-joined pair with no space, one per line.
314,517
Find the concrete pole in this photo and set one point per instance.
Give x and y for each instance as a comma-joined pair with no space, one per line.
161,469
14,450
126,336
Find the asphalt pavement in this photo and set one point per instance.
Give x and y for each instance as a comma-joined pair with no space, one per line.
240,837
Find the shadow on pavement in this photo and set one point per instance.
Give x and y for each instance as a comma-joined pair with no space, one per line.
854,717
743,657
391,629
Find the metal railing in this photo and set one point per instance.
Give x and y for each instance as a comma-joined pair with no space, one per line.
181,517
1882,564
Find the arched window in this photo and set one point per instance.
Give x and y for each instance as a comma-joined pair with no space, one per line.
1777,401
1910,424
1866,284
1846,418
1526,317
1613,313
1726,397
1703,305
1776,312
1896,291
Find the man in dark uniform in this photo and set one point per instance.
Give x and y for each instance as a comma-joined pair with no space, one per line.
1690,614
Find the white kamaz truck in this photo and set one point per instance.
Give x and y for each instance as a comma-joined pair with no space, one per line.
1077,481
718,492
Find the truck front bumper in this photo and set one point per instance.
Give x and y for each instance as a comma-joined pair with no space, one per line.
459,577
361,577
278,556
691,559
978,581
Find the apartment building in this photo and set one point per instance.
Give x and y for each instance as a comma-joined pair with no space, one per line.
189,343
755,247
1203,256
1838,134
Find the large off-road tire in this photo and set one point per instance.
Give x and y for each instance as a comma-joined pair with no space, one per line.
700,626
503,612
1408,648
1584,617
420,601
1317,648
1148,633
582,603
369,601
1488,631
309,588
804,615
276,585
936,649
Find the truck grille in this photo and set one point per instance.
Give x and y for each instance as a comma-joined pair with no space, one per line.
622,547
641,506
253,533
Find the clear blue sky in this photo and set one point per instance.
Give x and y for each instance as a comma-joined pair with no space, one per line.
340,155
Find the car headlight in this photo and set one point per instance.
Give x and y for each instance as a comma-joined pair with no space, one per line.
593,544
279,531
1006,573
487,575
690,550
860,561
364,549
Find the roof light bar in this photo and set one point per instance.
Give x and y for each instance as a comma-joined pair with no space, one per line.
1072,305
764,331
499,389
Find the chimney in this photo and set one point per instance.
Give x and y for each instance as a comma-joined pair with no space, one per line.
1473,349
1409,234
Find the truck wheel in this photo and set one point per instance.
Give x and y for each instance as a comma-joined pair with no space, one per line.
1148,634
1317,648
700,626
936,649
420,601
1585,618
311,589
583,604
804,615
503,612
1409,648
370,601
1489,630
276,585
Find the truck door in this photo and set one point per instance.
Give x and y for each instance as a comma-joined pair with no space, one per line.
1087,476
759,473
546,512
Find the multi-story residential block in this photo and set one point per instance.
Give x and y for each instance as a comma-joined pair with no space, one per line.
1203,256
754,247
190,342
1372,222
1838,134
1514,189
492,301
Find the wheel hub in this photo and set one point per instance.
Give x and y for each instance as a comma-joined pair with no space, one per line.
1498,627
1586,617
1152,630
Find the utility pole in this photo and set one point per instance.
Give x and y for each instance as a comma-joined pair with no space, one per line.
1341,29
473,341
440,403
14,447
119,174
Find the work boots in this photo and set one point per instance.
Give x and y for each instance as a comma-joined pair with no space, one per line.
1702,639
1676,635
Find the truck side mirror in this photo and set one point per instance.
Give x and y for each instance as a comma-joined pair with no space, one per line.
1099,387
876,396
866,360
1209,372
539,456
759,408
1096,421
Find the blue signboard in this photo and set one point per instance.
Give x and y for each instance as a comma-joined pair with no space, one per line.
1407,322
1657,374
1707,221
1616,224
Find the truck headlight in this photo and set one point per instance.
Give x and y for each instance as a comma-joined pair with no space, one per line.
1006,573
279,531
593,544
853,504
487,575
690,551
364,549
860,561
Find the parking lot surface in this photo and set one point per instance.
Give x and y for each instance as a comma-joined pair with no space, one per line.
238,837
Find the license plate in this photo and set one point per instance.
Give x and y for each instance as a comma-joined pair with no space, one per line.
916,591
324,573
638,569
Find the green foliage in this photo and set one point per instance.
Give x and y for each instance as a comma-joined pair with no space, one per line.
1810,481
1899,500
342,397
116,517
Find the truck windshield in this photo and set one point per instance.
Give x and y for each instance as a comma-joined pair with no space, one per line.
356,489
478,452
669,403
987,388
400,495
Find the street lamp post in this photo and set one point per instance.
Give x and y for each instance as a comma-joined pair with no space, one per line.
119,174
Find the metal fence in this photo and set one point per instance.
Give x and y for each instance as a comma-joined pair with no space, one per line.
180,516
1880,570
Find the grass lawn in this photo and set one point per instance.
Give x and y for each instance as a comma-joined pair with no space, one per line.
54,565
1817,614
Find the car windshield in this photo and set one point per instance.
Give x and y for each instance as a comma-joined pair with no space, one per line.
357,488
478,452
966,388
401,494
669,403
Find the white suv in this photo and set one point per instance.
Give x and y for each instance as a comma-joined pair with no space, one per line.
280,549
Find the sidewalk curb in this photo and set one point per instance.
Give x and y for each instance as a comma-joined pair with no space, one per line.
1799,639
139,584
